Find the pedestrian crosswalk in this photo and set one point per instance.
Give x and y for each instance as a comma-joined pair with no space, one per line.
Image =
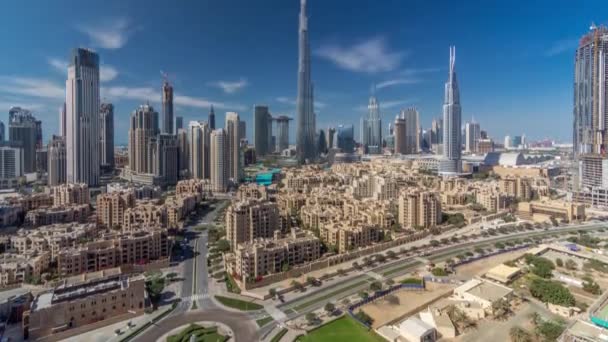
195,297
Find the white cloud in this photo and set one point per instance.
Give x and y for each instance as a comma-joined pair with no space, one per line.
230,87
561,46
153,95
397,81
389,104
109,33
5,105
106,72
369,56
34,87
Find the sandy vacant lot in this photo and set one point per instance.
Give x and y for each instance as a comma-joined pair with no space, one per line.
482,266
383,311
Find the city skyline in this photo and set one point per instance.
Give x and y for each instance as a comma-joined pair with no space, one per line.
341,85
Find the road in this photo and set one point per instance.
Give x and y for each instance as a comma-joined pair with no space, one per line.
195,289
314,300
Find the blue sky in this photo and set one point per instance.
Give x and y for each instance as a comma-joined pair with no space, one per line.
514,59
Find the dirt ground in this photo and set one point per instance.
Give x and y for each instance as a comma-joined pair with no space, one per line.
383,311
482,266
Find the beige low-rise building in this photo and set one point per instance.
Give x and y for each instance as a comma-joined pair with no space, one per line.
262,257
132,248
482,292
546,209
517,187
70,194
19,268
493,201
111,207
345,236
503,274
419,209
61,214
92,298
251,219
145,214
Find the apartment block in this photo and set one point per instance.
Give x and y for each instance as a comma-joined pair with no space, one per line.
345,236
71,193
83,300
249,220
517,187
46,216
419,209
111,208
267,256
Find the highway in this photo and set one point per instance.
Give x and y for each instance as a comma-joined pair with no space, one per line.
314,300
195,289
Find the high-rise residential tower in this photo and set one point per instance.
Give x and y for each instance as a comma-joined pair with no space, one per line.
106,132
451,163
399,134
200,135
167,120
163,151
233,146
62,120
283,132
211,118
183,152
179,123
371,127
56,161
472,134
2,136
345,138
22,132
262,135
82,118
590,133
305,139
219,162
144,128
412,130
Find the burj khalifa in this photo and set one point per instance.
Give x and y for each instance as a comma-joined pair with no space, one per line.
451,163
305,137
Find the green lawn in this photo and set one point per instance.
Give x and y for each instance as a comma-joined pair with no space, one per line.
263,321
238,304
342,329
201,335
279,335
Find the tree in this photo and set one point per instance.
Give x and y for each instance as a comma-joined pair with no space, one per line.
393,300
297,285
550,330
311,317
559,262
375,286
501,309
434,243
154,288
223,245
341,272
591,286
356,265
310,280
551,292
439,272
272,292
542,267
391,254
390,282
330,308
365,318
380,258
364,295
518,334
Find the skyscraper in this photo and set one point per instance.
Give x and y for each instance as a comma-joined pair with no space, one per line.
179,123
371,127
211,118
163,151
233,145
472,135
305,144
451,122
144,128
167,121
2,136
82,118
399,134
183,149
242,130
219,163
56,161
200,135
261,134
106,131
590,133
22,132
62,120
282,132
345,137
331,132
412,130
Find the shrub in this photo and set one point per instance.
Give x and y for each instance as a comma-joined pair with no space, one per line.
551,292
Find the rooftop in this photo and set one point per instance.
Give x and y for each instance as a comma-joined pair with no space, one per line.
484,289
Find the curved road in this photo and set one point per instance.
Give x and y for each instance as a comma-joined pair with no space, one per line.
238,322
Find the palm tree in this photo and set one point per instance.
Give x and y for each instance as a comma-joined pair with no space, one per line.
518,334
